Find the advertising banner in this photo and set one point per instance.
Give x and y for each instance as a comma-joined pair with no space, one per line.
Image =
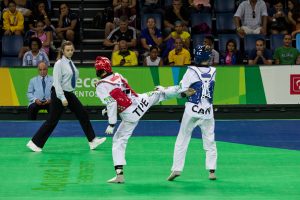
235,85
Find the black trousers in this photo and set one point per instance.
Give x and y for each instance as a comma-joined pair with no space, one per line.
56,110
33,110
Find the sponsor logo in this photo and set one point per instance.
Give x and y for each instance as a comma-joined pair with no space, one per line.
295,84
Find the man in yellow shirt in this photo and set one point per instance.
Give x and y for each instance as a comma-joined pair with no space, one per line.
179,56
124,57
13,20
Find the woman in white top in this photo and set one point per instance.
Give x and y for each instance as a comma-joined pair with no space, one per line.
153,59
62,95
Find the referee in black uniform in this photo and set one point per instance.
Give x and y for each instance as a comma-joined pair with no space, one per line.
64,82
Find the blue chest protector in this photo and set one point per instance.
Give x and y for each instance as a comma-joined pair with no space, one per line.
204,89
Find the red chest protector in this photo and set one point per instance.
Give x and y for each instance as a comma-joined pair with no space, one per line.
117,94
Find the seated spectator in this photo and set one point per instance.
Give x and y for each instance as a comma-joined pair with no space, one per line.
232,55
286,55
36,54
179,32
13,20
23,6
119,11
67,23
176,12
41,13
260,55
153,59
124,57
151,36
131,4
123,32
179,56
278,19
200,6
39,91
251,18
297,26
209,41
42,35
292,8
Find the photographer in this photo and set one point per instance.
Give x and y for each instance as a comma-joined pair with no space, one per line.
124,57
39,91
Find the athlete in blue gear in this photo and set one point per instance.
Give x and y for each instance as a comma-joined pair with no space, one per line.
198,111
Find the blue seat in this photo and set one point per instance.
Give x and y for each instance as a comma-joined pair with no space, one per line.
10,61
223,38
224,23
198,39
298,42
156,16
224,6
249,42
276,41
198,18
11,45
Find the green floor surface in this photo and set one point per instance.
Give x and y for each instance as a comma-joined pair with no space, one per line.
67,169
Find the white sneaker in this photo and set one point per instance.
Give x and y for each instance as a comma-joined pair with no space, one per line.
212,176
33,147
173,175
96,142
117,179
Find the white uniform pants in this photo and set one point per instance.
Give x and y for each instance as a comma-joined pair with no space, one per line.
187,126
126,128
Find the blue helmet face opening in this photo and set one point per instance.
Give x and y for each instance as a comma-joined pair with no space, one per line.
202,55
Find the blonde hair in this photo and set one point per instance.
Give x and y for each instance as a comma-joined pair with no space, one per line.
62,48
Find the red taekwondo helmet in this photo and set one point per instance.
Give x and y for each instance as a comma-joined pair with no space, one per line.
103,63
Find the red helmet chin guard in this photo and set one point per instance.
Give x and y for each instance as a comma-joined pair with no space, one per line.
103,63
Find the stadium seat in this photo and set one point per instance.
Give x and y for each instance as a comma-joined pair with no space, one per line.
223,38
11,45
224,6
10,61
200,18
298,42
249,42
276,41
157,18
224,23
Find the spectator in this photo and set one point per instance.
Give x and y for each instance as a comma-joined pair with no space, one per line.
151,36
251,18
41,13
36,54
209,41
286,55
278,19
124,57
122,10
153,59
232,55
13,20
21,5
131,4
292,11
260,55
297,26
123,32
179,32
67,23
38,93
42,35
179,56
200,6
176,12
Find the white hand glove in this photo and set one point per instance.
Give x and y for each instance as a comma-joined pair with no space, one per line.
65,103
159,88
110,129
104,112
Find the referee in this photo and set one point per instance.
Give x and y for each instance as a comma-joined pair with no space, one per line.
64,82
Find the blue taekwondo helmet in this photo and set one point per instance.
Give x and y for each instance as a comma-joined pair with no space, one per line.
202,55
